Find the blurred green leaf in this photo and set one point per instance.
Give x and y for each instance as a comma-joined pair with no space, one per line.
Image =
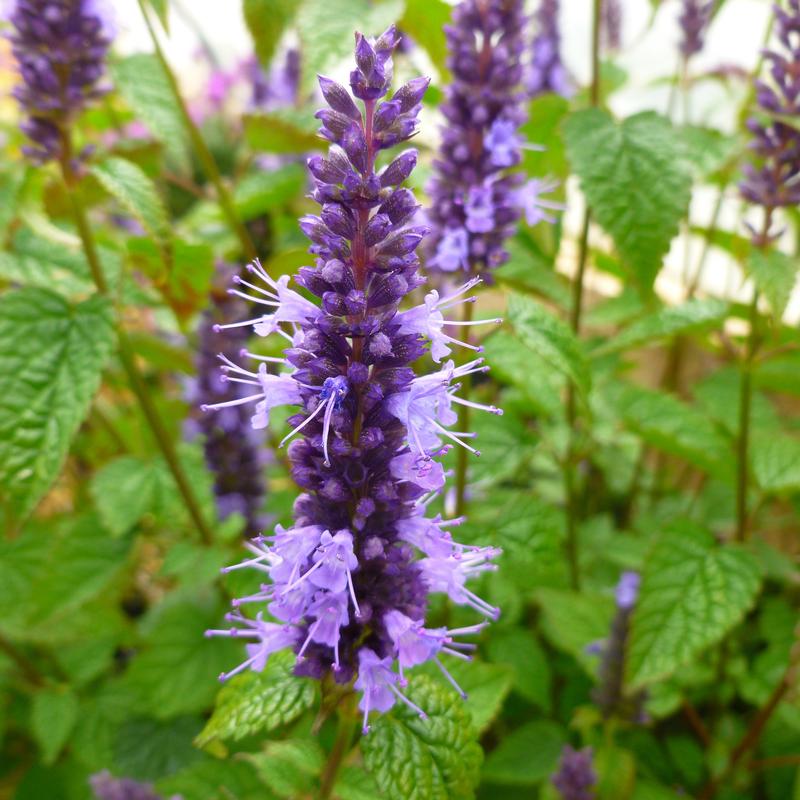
281,132
215,779
151,749
527,755
531,672
690,317
262,191
143,83
290,767
134,190
676,428
550,338
543,127
326,30
433,759
53,356
177,669
355,783
256,702
267,20
707,149
636,180
486,686
693,592
124,490
424,21
53,716
775,275
616,773
776,462
572,621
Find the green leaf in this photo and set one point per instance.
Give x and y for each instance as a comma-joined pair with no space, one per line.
124,490
692,316
526,756
214,779
530,668
636,182
707,149
433,759
486,686
550,338
262,191
177,670
281,132
676,428
355,783
267,20
161,7
144,85
693,592
53,356
257,702
53,716
134,190
151,749
775,275
572,621
424,22
776,462
290,767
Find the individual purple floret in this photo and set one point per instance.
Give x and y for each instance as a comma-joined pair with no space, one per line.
106,787
547,73
611,24
231,446
347,585
694,19
609,693
476,196
575,777
60,46
275,89
772,181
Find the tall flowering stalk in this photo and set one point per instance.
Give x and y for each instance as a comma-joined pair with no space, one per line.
772,181
349,581
611,24
60,46
476,198
230,444
547,73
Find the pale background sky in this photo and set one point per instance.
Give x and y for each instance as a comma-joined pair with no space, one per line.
735,38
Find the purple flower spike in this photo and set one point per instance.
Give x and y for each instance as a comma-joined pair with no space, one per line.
229,442
694,19
105,786
348,584
60,47
773,181
477,195
547,72
575,777
611,24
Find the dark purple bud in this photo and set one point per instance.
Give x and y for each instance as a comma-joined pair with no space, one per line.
411,94
370,438
399,169
377,229
338,98
399,206
339,219
334,123
402,242
355,302
357,373
387,113
355,145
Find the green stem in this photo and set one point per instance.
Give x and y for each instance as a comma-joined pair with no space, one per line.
201,149
341,747
576,310
743,440
126,353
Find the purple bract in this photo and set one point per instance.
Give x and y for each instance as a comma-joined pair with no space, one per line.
575,776
547,73
347,586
